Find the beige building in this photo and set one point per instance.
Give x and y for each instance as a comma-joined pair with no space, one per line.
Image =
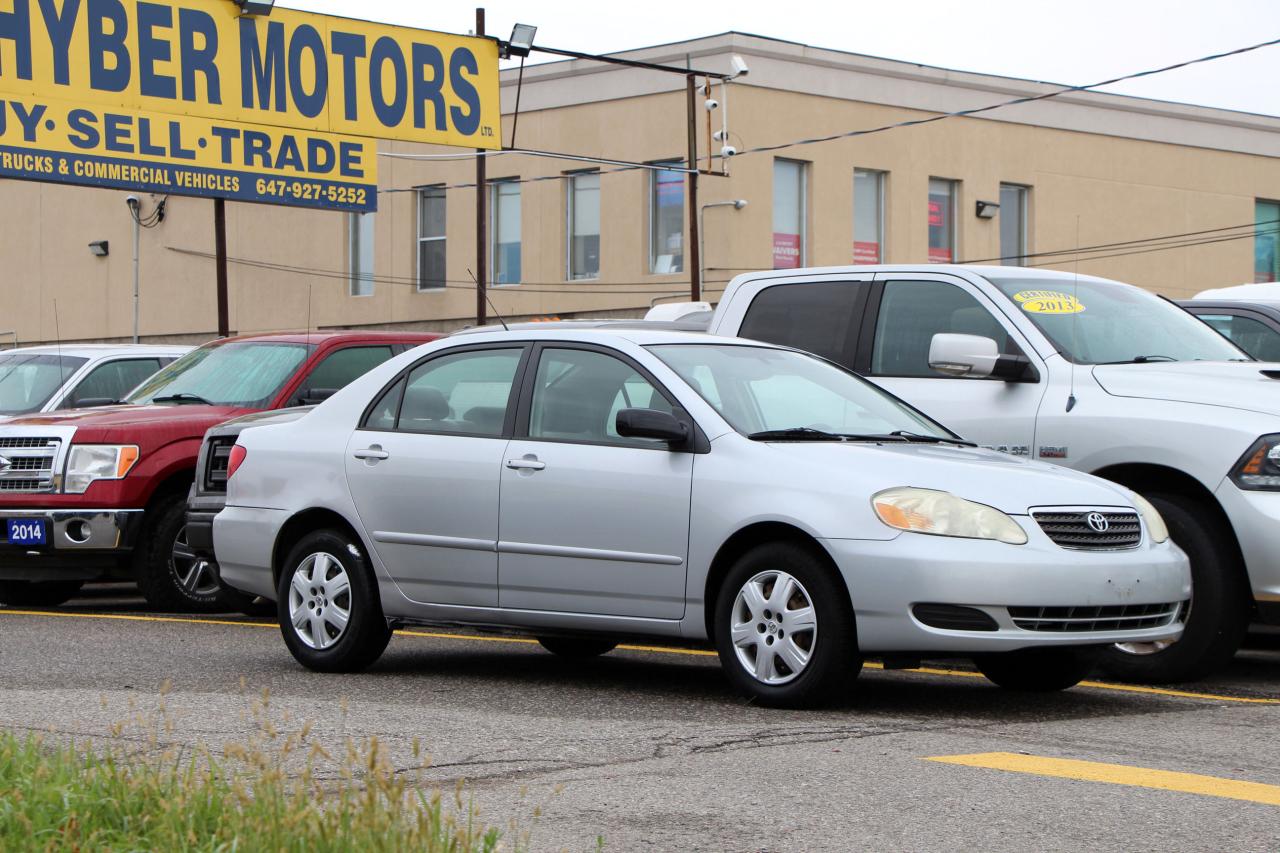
574,237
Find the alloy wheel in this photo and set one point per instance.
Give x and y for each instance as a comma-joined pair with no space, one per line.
320,601
774,627
193,573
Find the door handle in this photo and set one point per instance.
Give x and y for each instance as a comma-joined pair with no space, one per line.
374,452
526,464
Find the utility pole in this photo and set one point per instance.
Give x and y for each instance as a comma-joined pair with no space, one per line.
695,259
220,263
482,216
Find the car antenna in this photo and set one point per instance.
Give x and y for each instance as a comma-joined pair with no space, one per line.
505,327
1075,318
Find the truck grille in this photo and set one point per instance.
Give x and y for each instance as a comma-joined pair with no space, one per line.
215,469
30,464
1119,617
1109,530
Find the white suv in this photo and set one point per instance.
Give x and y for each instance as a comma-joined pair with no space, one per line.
47,378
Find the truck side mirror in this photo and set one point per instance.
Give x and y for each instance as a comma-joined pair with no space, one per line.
971,356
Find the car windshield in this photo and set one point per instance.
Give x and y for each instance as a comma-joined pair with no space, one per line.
29,380
764,390
242,374
1096,322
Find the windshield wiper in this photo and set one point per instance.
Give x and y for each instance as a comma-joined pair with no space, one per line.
1141,359
795,434
182,398
931,439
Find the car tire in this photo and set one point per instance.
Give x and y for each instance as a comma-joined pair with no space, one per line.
37,593
1219,615
331,618
1043,670
578,648
824,647
169,573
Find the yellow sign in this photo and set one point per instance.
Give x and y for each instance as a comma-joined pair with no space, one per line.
201,99
1048,302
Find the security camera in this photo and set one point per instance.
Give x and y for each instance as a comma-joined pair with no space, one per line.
132,201
739,66
720,135
712,104
728,151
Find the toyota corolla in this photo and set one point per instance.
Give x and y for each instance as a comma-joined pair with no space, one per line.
585,486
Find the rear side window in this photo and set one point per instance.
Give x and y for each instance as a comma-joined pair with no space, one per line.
112,381
912,312
338,369
1253,336
820,317
466,392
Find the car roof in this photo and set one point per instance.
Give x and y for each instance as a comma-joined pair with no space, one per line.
993,272
98,350
696,325
633,331
333,335
1271,309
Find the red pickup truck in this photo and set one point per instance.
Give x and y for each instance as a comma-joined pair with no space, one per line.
89,494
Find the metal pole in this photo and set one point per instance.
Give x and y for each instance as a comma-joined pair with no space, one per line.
220,263
137,236
695,256
482,217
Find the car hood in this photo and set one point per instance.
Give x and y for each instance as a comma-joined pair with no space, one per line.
128,416
1249,385
1008,483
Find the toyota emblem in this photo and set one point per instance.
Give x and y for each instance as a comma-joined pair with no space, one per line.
1098,522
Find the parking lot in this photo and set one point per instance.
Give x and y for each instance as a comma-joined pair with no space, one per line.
648,748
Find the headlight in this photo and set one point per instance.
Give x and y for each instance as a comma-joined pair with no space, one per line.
944,514
1156,528
1259,468
89,462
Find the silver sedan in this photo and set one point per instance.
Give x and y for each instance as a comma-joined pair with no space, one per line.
584,486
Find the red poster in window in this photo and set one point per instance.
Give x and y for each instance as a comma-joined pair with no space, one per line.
786,251
939,256
865,252
937,214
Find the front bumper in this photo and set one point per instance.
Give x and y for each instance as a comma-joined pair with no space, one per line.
82,544
1255,516
887,578
201,510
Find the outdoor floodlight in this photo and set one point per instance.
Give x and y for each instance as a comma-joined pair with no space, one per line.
255,7
521,41
101,248
987,209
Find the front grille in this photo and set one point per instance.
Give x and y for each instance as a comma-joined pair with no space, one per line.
1073,620
1072,529
30,464
215,469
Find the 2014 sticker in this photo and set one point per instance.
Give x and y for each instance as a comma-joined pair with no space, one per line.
1048,302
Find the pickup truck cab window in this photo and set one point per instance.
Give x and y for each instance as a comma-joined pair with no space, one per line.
912,312
821,317
337,369
112,380
1250,334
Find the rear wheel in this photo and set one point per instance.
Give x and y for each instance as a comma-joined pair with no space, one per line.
1038,670
170,574
784,628
328,606
1219,615
37,593
578,648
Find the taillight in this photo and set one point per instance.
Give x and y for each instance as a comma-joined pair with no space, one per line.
238,454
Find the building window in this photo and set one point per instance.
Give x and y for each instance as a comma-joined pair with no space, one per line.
788,214
584,225
360,253
868,216
431,242
504,204
942,221
1266,241
1013,224
666,221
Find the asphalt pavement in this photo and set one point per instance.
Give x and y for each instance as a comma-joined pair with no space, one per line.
648,749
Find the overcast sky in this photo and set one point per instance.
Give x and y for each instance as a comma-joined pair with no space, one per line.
1074,43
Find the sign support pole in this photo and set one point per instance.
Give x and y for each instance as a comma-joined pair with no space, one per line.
220,262
482,216
694,263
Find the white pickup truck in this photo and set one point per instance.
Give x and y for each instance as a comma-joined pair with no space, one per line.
1083,372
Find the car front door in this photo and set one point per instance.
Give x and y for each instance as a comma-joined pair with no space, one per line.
423,470
592,522
906,311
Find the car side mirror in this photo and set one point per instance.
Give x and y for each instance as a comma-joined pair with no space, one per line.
91,403
315,396
971,356
649,423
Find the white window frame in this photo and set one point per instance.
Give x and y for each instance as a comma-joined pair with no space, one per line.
570,183
804,207
653,217
494,188
1024,235
882,178
420,196
953,218
360,248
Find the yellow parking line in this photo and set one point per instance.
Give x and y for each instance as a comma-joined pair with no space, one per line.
1119,774
664,650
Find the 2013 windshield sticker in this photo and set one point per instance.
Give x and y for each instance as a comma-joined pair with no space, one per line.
1048,302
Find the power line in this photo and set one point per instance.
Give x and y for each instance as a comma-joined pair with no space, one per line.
1123,243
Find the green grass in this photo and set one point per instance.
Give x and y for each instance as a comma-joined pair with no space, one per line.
278,792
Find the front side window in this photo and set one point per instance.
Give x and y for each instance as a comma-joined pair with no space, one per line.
112,381
584,225
819,317
1266,242
912,312
868,216
666,221
431,238
339,369
241,374
1091,321
360,254
1013,225
577,395
1253,336
789,204
466,392
763,389
28,381
505,206
942,221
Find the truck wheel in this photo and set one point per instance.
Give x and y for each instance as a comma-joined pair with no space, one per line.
329,610
784,628
37,593
1038,670
577,648
1219,615
168,571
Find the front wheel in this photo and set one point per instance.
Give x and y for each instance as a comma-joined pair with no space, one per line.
170,574
37,593
328,606
784,628
1038,670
